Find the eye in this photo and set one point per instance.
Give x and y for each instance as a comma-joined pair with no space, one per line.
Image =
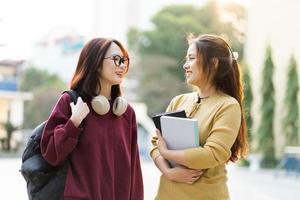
188,59
117,59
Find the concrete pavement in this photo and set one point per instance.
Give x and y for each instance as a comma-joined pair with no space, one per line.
243,183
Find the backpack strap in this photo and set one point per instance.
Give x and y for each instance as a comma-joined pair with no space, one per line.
73,94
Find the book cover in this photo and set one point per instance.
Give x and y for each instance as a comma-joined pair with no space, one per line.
156,118
180,133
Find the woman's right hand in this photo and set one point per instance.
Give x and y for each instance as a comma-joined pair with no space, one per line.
183,174
79,111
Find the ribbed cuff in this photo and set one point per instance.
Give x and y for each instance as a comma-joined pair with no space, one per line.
72,130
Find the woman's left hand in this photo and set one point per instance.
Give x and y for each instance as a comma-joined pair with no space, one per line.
161,144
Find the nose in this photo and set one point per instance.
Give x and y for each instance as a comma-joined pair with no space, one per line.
123,66
186,66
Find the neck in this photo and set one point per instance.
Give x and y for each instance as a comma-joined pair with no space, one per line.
105,90
206,91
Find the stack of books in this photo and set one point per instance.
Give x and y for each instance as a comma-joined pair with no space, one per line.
178,131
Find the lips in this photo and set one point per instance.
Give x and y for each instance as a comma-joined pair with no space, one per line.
120,74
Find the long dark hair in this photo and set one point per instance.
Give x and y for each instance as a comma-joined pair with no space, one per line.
86,77
226,78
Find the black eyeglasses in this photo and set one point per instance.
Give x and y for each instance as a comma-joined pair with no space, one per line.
118,60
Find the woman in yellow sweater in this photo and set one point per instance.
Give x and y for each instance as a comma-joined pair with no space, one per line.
212,68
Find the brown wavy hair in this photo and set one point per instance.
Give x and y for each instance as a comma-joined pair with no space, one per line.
227,78
86,77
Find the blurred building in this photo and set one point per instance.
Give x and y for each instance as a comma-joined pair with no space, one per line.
58,52
11,98
272,22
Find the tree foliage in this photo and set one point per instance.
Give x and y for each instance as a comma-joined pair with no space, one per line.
46,89
291,111
9,128
248,98
162,49
266,131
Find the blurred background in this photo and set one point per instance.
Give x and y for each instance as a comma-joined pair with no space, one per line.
40,42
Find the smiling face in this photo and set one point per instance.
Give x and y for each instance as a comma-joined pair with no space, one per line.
194,67
112,74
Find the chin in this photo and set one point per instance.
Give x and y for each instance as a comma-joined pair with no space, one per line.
189,81
117,81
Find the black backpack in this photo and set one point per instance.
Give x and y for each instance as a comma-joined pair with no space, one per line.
44,182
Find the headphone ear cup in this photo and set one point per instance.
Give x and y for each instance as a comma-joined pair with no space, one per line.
100,105
119,106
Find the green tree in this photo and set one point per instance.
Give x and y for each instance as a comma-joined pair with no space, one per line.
46,89
265,131
248,98
291,115
162,49
9,128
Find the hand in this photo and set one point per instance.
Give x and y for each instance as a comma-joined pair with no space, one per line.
183,174
161,144
79,111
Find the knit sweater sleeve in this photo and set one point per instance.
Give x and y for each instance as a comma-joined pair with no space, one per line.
217,148
60,136
136,188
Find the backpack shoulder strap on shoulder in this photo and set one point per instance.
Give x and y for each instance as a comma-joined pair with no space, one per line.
73,94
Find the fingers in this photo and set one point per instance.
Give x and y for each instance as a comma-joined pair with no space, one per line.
79,100
197,172
193,180
158,134
157,131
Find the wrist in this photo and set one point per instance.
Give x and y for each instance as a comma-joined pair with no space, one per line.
75,121
164,153
168,173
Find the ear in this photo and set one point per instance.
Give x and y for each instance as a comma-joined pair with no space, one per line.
215,63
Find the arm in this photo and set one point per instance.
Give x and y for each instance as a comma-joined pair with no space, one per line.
179,174
136,187
60,135
154,153
217,147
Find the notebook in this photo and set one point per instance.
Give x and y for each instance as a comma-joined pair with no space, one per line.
180,133
156,118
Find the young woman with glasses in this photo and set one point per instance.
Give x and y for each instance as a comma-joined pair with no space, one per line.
211,67
103,151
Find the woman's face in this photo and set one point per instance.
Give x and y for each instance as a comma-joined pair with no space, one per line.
193,67
114,67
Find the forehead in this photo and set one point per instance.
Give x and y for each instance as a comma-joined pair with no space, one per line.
192,50
114,49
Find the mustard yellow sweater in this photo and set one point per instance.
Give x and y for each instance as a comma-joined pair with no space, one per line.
219,119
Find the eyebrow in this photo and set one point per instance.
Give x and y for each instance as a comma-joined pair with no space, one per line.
115,54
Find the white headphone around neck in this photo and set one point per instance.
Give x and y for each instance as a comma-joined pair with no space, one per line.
101,105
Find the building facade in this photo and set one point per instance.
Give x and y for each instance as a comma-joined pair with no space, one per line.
11,98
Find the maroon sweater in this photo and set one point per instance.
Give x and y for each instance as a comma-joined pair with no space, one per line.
104,161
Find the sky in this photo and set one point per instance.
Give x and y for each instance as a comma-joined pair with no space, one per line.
24,22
